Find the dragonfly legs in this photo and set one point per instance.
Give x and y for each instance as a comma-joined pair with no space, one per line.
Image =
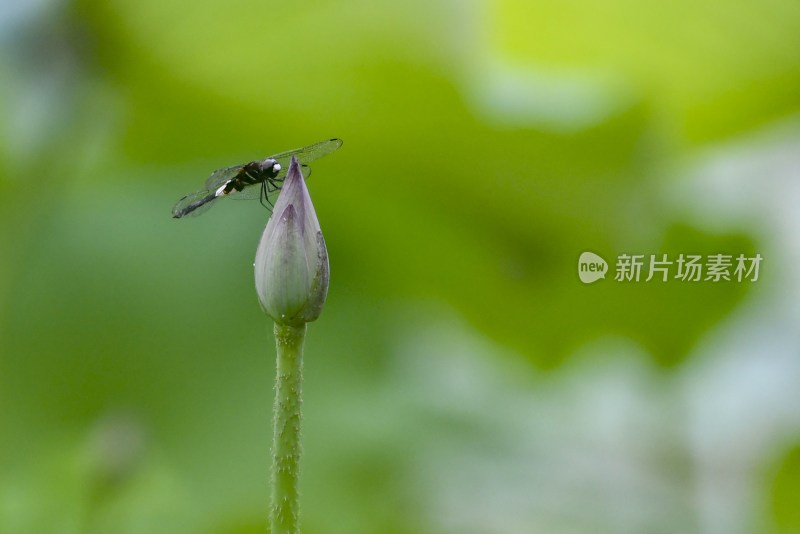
268,186
264,196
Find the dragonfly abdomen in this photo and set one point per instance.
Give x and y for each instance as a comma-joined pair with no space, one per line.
186,205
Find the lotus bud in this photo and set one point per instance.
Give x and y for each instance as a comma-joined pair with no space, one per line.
291,266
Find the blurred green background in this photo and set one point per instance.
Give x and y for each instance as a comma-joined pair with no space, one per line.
461,378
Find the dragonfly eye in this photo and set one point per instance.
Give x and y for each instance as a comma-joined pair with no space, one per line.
269,166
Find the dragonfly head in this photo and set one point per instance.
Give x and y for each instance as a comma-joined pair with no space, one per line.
270,166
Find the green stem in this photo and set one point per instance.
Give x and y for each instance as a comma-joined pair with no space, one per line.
285,511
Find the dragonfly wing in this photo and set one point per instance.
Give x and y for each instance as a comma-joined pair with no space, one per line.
306,154
194,204
250,192
200,201
221,176
285,168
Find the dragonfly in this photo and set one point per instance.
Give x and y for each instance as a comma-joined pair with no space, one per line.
256,179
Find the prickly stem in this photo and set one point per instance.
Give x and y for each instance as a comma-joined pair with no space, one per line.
286,449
